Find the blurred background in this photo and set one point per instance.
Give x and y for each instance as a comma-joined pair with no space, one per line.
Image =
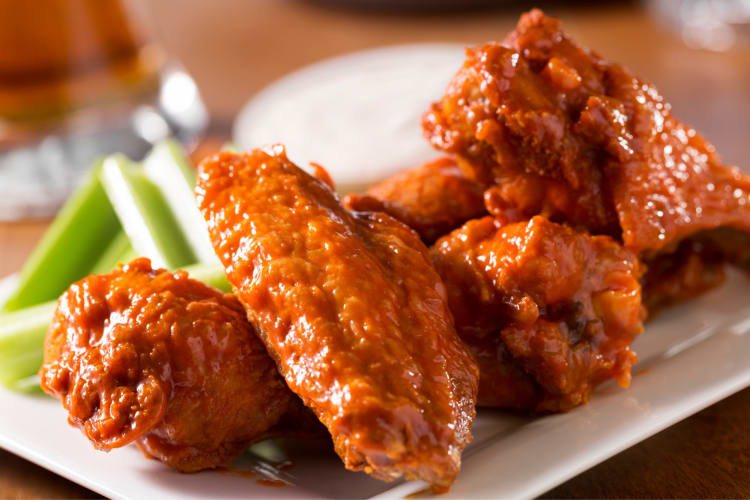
80,78
696,52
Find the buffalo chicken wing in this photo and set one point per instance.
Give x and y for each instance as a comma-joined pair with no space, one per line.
432,199
549,312
552,128
147,356
351,308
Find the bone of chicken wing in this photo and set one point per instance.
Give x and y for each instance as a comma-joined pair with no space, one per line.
433,198
147,356
349,305
554,129
549,312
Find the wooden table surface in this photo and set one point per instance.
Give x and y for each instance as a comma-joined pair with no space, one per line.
234,48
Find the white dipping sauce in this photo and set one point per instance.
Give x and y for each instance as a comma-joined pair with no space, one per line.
358,115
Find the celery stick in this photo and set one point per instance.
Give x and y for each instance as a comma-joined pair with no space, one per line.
119,250
75,240
170,170
145,215
211,275
22,332
21,338
28,385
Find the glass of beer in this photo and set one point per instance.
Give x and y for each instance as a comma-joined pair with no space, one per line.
79,79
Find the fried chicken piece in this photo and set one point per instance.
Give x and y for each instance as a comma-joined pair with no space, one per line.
156,358
349,305
433,198
503,382
731,244
554,129
549,312
694,267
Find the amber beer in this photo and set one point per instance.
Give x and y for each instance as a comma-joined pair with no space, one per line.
58,56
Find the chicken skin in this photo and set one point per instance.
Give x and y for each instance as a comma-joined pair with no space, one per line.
433,198
551,128
156,358
349,305
549,312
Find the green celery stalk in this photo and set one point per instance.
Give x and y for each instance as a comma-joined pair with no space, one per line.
79,234
28,385
22,332
21,338
211,275
145,214
170,170
119,251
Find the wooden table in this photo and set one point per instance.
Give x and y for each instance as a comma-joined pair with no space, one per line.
235,48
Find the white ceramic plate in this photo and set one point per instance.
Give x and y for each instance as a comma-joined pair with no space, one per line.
691,356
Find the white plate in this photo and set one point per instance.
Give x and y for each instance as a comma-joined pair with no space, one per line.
691,357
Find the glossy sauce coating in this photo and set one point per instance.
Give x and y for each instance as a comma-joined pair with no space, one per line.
433,198
556,130
549,312
352,310
147,356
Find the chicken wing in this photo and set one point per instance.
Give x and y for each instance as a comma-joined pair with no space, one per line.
433,198
552,128
147,356
349,305
549,312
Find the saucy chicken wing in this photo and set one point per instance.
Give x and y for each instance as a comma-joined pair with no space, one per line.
549,312
432,199
156,358
352,310
551,128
